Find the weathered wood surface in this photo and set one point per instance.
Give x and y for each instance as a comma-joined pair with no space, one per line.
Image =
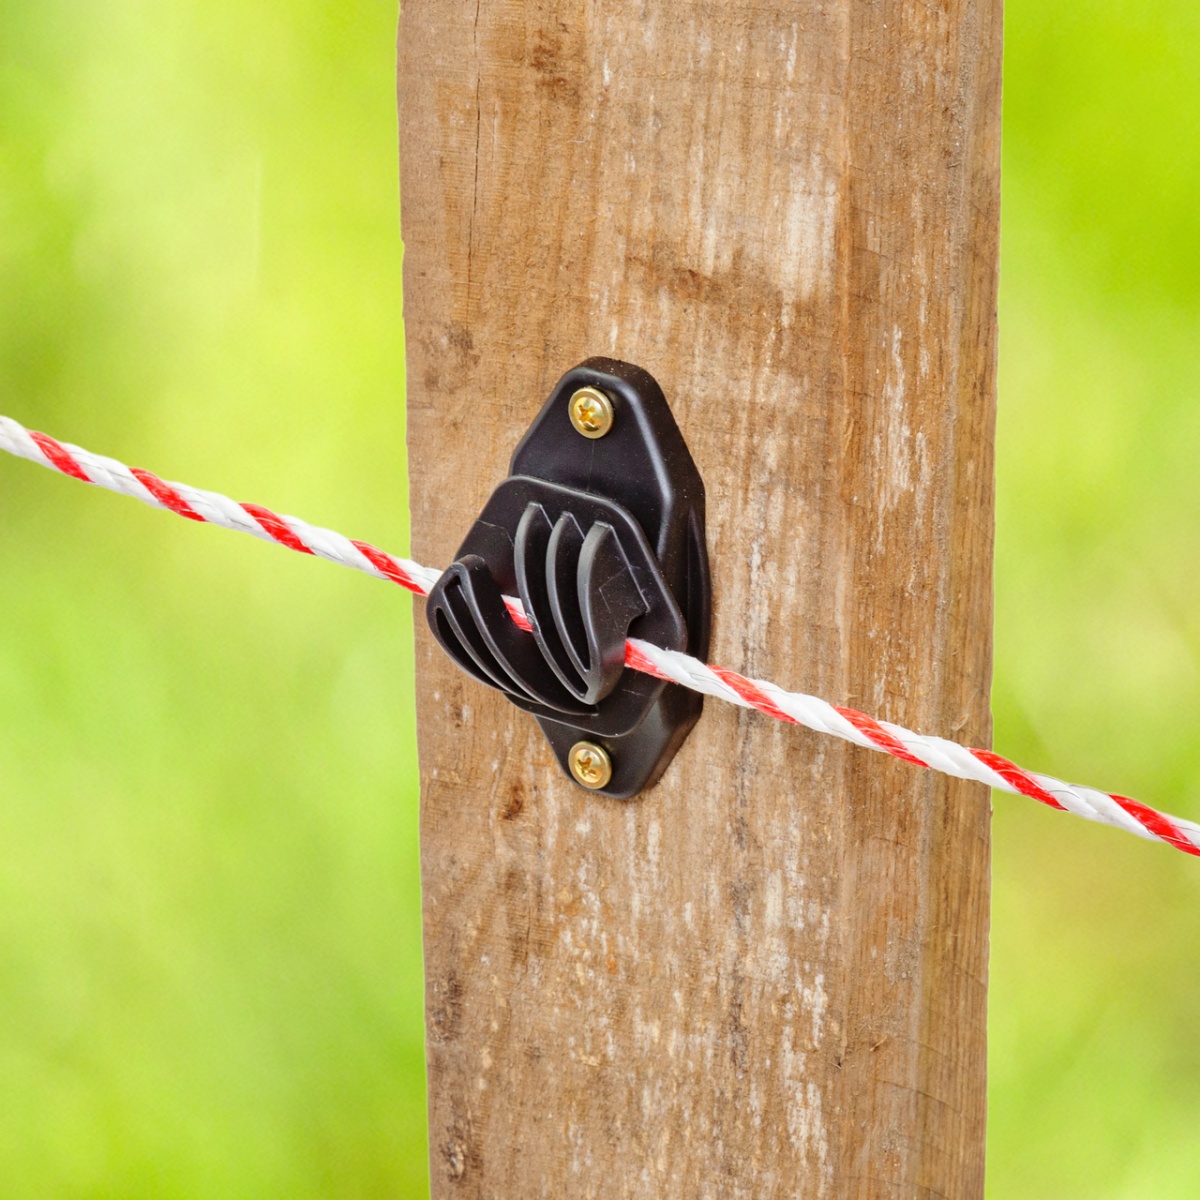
767,977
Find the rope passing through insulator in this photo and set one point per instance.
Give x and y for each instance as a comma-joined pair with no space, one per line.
796,708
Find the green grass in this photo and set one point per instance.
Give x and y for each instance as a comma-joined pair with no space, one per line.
209,907
1094,1029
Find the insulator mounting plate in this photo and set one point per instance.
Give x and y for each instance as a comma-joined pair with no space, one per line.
601,537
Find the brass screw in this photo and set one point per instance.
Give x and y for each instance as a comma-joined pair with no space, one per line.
590,765
591,412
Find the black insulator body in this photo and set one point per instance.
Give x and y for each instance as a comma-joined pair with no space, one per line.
600,539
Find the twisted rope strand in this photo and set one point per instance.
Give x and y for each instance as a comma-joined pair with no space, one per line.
796,708
213,508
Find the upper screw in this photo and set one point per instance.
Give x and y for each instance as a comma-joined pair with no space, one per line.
591,412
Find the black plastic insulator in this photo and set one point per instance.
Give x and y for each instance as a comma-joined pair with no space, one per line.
601,539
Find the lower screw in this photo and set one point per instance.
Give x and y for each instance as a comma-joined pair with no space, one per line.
590,765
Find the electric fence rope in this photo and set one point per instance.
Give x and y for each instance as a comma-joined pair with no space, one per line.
796,708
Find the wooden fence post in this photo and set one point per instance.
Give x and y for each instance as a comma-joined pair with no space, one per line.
766,977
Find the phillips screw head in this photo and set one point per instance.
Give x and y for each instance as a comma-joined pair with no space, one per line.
591,412
590,764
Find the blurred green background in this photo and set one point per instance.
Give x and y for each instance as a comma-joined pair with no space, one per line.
209,907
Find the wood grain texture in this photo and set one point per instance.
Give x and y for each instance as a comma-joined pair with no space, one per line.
767,976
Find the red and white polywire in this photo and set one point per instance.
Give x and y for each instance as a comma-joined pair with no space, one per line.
796,708
213,508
